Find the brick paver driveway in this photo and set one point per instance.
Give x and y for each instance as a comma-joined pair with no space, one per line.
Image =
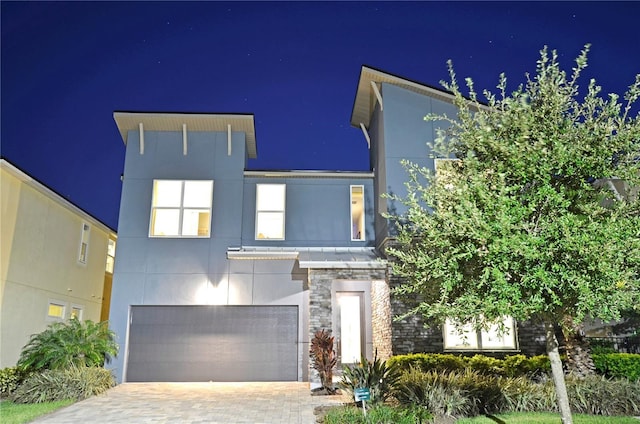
186,403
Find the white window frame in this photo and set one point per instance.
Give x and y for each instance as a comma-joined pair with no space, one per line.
281,211
361,225
59,303
83,249
471,339
79,308
181,209
111,256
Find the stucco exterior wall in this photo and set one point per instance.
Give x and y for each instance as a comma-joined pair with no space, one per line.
40,239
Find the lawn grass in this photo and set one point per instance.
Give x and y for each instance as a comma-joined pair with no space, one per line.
544,418
18,413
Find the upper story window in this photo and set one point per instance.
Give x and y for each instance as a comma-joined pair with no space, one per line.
270,205
181,208
111,255
357,212
468,338
83,251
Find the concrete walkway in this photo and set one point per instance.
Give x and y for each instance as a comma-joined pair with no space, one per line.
190,403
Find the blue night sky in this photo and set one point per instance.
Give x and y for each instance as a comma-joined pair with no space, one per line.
66,66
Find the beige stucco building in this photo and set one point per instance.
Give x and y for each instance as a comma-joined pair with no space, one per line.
53,259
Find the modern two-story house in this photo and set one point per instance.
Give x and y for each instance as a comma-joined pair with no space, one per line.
225,273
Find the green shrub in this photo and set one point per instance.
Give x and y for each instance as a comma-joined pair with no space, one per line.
376,375
511,366
618,365
469,393
427,390
379,414
75,383
598,395
428,362
10,379
80,343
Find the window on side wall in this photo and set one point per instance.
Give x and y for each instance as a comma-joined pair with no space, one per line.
357,213
467,338
270,207
56,310
83,250
181,208
111,256
76,312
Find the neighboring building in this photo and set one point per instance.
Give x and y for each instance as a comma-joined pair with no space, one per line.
52,261
225,274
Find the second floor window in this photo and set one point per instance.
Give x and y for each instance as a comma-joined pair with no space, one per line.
181,208
357,212
270,204
111,255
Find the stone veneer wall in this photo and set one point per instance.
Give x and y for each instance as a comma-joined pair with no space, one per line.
320,311
381,319
410,335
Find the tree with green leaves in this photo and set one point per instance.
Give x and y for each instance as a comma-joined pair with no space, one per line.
535,218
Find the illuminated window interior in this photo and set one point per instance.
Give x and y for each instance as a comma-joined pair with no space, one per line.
270,204
181,208
111,255
55,310
357,212
76,312
467,338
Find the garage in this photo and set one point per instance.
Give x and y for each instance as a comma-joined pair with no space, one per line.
213,343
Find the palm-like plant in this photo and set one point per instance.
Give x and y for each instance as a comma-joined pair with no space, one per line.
80,343
323,358
378,376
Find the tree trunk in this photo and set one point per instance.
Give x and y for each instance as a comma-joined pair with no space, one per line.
579,361
557,374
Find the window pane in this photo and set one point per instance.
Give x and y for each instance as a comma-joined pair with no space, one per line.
492,340
55,310
165,222
270,197
110,263
195,222
167,193
76,313
197,194
111,248
357,213
463,338
270,225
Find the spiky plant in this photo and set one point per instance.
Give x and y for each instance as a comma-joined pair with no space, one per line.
62,344
323,358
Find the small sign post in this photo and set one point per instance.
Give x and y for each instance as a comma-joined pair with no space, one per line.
362,394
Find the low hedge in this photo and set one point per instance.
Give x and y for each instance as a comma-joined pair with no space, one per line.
618,365
510,366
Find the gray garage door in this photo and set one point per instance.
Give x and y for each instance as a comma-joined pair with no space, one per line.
213,343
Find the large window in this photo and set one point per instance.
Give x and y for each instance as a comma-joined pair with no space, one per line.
357,212
467,338
270,204
181,208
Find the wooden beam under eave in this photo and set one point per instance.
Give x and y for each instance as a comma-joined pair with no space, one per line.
377,93
184,139
141,129
366,135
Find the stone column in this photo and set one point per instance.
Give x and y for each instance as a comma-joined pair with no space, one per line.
319,312
381,319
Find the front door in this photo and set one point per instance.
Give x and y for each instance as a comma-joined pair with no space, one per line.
350,331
